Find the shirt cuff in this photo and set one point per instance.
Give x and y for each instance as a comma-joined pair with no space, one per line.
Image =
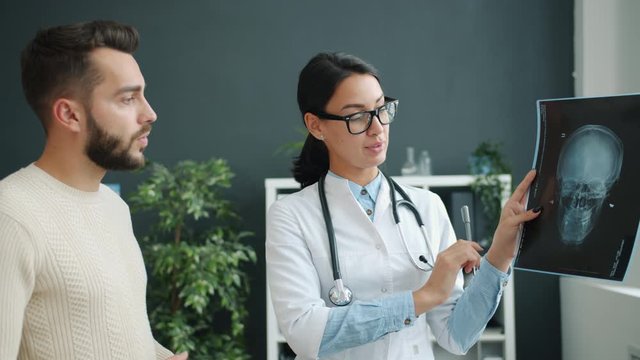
402,310
491,279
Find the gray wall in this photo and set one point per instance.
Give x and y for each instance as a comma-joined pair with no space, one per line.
222,77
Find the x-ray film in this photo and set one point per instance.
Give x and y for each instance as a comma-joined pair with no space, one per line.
588,181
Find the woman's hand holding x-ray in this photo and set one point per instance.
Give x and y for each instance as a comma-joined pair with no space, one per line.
464,254
514,214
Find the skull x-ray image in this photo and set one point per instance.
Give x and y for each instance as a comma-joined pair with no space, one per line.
587,182
588,165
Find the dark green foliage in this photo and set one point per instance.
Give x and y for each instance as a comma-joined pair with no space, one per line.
195,255
487,163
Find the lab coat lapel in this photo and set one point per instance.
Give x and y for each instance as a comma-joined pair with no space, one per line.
354,231
383,201
384,222
339,193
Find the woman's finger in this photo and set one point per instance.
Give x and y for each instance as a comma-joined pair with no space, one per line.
473,262
473,244
524,216
465,251
521,190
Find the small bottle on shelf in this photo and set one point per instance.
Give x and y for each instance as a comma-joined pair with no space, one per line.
424,164
409,167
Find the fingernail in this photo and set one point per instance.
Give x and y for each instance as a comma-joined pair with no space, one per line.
537,209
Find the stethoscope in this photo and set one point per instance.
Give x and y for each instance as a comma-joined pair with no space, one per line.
341,295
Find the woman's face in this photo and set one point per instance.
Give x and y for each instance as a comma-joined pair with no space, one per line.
355,157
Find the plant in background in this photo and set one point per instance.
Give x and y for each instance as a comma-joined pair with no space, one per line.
487,163
197,287
293,148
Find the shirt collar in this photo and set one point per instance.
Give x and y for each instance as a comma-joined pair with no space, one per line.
372,187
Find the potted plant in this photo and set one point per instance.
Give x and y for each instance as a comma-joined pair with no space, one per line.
195,258
487,163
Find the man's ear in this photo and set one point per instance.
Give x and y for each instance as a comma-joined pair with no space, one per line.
313,125
67,113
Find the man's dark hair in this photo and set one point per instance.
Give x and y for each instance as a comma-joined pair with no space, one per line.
56,62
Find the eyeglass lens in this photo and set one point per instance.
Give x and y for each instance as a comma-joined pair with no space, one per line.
359,123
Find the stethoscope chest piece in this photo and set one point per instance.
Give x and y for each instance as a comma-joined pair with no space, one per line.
340,295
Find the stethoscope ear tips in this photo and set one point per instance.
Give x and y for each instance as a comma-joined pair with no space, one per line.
423,259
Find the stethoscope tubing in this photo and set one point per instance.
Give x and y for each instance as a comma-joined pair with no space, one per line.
333,247
406,202
429,265
341,295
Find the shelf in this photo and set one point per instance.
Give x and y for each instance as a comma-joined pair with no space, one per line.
493,334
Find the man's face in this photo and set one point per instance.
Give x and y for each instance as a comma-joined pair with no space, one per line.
112,152
119,117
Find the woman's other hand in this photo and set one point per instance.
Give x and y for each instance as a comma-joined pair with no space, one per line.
503,247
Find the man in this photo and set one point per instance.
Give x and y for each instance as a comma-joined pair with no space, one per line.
73,281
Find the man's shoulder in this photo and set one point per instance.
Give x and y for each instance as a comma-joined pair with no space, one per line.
14,186
112,197
17,197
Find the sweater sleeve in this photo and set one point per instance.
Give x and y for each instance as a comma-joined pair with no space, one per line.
17,266
161,352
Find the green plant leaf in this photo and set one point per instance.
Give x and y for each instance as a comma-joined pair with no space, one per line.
196,258
487,163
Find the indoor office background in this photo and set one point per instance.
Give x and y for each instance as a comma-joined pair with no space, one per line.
222,78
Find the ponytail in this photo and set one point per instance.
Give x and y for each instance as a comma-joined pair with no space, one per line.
312,163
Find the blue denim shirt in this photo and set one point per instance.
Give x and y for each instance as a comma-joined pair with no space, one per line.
366,195
363,322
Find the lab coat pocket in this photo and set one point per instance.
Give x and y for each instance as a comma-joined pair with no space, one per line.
365,273
412,343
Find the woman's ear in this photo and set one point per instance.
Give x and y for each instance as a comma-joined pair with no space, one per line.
67,113
312,122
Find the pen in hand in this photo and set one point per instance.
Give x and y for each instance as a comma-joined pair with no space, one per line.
466,219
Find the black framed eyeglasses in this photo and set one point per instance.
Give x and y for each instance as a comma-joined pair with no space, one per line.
359,122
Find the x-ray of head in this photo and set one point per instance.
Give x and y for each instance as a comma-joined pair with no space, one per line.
588,166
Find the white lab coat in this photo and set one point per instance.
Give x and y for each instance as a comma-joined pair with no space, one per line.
373,262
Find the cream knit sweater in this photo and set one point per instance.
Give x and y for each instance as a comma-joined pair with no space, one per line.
72,278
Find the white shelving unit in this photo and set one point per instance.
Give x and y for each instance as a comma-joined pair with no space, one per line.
495,341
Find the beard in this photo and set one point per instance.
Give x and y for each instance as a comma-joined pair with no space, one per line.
112,152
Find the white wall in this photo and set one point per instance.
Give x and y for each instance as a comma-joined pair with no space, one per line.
607,60
607,52
600,320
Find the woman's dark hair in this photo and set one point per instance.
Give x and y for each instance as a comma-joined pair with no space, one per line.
316,85
56,62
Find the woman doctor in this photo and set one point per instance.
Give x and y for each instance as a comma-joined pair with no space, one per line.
396,282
